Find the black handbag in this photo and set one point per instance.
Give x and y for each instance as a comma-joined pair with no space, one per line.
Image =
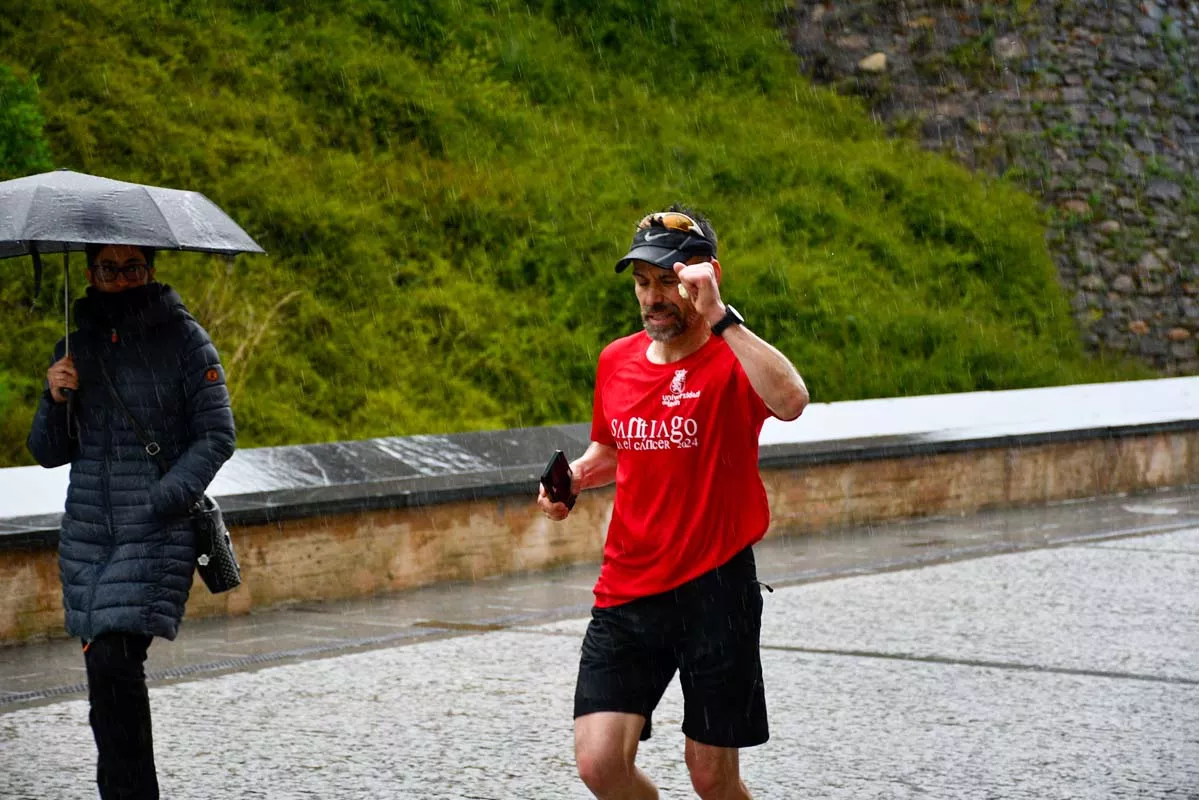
215,559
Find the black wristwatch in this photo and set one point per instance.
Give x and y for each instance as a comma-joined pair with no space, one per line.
731,317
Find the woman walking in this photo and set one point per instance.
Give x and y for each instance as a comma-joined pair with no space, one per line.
126,549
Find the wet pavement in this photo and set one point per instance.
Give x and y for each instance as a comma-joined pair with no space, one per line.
1043,653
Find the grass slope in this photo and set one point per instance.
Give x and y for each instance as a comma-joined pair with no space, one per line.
443,186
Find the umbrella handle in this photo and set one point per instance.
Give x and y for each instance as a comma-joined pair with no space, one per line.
66,338
70,395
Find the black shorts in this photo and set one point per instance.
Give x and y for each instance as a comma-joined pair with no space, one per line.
708,630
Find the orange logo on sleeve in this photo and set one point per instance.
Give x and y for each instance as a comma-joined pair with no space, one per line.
212,375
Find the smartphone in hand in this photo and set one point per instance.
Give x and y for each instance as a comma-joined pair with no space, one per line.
556,480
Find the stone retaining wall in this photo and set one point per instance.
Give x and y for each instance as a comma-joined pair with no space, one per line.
1092,105
371,552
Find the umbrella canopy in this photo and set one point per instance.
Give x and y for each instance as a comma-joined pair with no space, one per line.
60,211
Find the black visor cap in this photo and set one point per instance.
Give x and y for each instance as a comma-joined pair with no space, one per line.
663,248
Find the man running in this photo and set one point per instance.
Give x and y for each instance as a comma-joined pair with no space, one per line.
677,413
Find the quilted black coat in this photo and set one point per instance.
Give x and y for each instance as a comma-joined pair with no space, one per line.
126,549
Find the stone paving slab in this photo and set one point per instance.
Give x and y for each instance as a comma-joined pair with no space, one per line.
1080,608
1186,541
487,715
53,668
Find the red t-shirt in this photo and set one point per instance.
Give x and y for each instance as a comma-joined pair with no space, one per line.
688,493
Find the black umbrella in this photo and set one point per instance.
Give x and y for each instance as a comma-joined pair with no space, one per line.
61,211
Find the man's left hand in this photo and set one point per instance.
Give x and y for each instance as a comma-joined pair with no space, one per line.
702,289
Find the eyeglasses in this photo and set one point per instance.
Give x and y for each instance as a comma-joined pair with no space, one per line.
131,272
673,220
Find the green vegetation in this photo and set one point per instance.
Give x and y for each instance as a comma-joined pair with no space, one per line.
444,185
23,150
23,147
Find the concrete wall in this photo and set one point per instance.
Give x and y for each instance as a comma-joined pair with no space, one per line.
357,555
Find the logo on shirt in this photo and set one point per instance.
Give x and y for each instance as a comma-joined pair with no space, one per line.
676,433
678,390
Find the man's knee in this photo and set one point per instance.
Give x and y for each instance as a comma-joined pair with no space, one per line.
714,772
605,748
714,783
603,766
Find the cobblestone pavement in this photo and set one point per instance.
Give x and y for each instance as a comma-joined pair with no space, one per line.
1065,671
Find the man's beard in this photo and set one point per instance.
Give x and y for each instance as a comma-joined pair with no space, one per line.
666,329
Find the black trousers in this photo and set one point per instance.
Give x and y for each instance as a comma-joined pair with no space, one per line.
120,716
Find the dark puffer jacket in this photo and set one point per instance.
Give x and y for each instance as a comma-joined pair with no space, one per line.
126,550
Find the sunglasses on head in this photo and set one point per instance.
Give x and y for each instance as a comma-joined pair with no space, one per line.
110,272
672,220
